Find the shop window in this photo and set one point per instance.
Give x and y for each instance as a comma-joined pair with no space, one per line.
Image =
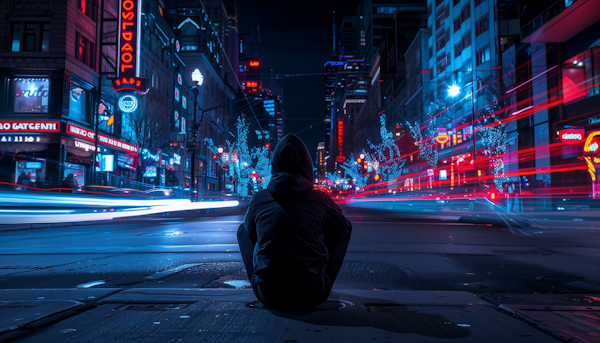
580,76
103,124
30,36
78,103
482,25
85,51
483,55
29,95
87,7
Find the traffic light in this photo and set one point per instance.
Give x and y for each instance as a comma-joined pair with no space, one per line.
215,156
268,146
174,144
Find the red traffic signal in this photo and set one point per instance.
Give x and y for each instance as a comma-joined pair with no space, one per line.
215,157
268,146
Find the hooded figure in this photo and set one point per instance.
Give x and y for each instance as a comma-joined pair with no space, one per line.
294,238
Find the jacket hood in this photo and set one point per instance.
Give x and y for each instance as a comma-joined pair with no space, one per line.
291,156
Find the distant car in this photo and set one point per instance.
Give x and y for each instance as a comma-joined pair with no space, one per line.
464,196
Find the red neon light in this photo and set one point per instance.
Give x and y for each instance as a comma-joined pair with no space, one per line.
254,63
340,156
572,135
128,38
102,139
251,84
29,126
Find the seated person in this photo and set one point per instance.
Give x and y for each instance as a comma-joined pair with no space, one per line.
294,238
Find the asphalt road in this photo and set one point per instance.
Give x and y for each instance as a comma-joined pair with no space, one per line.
388,250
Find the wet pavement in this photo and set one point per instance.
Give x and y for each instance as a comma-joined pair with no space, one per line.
388,251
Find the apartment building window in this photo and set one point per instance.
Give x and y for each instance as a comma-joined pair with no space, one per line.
85,51
430,52
478,2
30,36
440,21
438,2
441,42
87,7
482,25
466,39
428,10
465,12
457,23
430,31
483,55
458,49
456,2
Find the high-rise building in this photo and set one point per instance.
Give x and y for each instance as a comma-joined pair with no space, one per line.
378,17
202,49
249,64
348,47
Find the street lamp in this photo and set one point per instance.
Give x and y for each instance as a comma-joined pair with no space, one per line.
198,79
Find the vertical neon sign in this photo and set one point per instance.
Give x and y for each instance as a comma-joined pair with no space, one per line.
340,128
129,34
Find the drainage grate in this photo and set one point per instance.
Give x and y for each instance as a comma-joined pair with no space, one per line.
152,307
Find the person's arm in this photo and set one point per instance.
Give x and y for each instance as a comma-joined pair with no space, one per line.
335,221
250,222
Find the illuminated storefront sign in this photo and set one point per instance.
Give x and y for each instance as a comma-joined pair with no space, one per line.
182,125
102,139
176,93
254,63
442,136
176,118
572,135
33,165
128,56
179,80
29,126
183,102
85,146
20,139
128,103
177,45
29,95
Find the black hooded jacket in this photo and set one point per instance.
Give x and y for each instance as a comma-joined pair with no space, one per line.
288,224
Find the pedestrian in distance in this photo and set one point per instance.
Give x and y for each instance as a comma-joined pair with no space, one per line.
69,184
294,238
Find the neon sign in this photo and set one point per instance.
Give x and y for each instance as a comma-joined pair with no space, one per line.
442,136
177,46
340,129
572,135
176,119
128,103
128,55
29,126
106,140
254,63
183,102
176,93
251,84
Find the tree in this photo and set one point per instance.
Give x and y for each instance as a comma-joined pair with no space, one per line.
240,158
425,114
353,169
149,127
387,154
492,126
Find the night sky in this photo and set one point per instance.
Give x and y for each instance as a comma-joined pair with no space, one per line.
296,38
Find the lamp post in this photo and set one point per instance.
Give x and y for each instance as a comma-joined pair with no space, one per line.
198,79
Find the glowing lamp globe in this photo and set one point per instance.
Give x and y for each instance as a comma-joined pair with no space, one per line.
220,150
197,77
362,156
453,90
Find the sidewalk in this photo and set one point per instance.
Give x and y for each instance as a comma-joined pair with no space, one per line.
222,315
